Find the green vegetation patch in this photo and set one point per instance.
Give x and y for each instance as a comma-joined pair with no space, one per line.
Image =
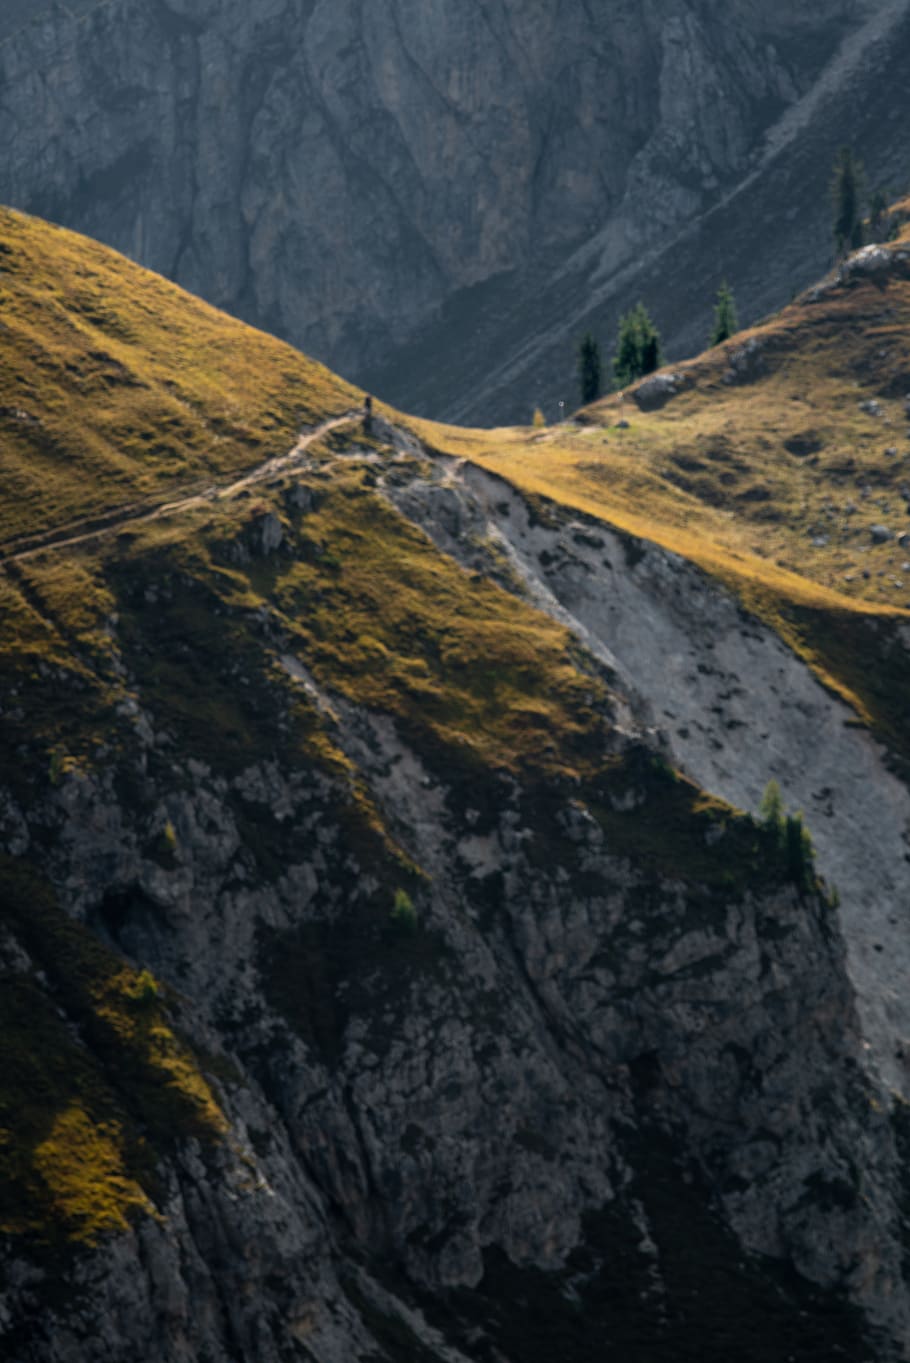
396,626
95,1085
660,819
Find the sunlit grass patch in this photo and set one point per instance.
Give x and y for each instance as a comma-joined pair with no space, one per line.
94,1085
771,472
117,385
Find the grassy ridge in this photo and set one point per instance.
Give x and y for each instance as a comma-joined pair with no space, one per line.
118,387
781,451
770,462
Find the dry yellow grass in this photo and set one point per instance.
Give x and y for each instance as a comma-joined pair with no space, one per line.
94,1082
81,1163
770,480
777,475
118,387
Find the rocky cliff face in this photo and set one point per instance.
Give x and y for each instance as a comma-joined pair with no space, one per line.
466,178
510,1059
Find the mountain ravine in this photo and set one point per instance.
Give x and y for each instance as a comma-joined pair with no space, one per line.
434,197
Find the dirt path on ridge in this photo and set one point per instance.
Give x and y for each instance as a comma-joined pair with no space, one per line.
109,523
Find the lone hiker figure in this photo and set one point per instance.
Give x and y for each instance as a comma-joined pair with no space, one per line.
367,414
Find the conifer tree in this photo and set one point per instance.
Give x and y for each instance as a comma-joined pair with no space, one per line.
771,811
847,192
726,323
638,350
878,212
650,349
589,369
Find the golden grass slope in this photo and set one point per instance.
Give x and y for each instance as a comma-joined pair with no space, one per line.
769,469
116,387
783,452
769,462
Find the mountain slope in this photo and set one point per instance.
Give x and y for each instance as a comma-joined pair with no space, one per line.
113,388
375,983
478,176
497,353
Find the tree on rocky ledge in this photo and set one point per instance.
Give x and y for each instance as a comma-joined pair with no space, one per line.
589,369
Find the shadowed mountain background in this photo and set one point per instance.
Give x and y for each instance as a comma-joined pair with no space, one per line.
436,197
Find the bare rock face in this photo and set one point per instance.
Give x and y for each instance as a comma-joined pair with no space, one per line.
357,177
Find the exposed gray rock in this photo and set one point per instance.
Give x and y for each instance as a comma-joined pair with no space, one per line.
875,261
267,533
746,362
684,651
299,497
880,534
655,392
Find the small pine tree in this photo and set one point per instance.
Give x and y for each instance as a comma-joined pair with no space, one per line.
650,351
627,359
538,420
404,914
589,369
726,323
789,837
847,192
771,810
878,213
799,852
638,349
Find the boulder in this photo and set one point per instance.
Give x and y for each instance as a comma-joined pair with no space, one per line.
745,362
266,533
871,260
657,390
